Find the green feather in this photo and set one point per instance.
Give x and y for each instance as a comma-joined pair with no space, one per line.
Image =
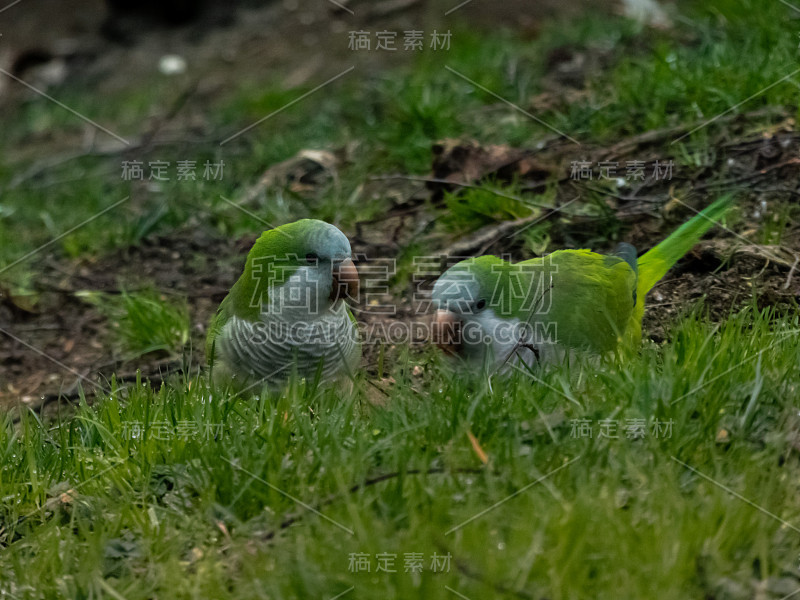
591,299
274,257
587,300
655,263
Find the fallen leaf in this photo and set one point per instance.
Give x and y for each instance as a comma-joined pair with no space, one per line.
460,161
477,448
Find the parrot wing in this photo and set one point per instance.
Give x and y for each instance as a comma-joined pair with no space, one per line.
592,299
265,267
215,329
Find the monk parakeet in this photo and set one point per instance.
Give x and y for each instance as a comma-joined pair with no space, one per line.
492,312
286,314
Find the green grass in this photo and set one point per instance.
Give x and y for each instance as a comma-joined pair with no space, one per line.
390,119
186,492
474,207
143,322
182,492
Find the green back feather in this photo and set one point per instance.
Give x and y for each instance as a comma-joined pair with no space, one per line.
591,299
274,257
595,301
583,298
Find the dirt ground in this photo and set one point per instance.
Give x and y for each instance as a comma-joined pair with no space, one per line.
64,340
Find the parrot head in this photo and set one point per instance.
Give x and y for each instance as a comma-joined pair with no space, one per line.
477,312
303,267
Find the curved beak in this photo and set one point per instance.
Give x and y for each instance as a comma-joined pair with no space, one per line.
447,331
345,281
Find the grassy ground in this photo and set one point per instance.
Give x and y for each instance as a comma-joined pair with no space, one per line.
674,475
588,490
634,80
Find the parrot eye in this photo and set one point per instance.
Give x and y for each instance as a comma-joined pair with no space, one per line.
312,258
480,304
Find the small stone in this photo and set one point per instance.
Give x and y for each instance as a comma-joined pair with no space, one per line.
172,64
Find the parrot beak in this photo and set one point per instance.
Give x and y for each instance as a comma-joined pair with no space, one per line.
447,331
345,281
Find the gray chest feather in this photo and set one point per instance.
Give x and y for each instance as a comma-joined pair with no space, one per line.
275,347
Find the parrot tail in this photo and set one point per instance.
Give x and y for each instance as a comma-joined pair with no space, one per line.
655,263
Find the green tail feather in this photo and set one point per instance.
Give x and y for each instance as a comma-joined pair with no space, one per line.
655,263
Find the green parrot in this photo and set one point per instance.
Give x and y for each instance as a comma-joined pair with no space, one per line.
286,313
493,313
